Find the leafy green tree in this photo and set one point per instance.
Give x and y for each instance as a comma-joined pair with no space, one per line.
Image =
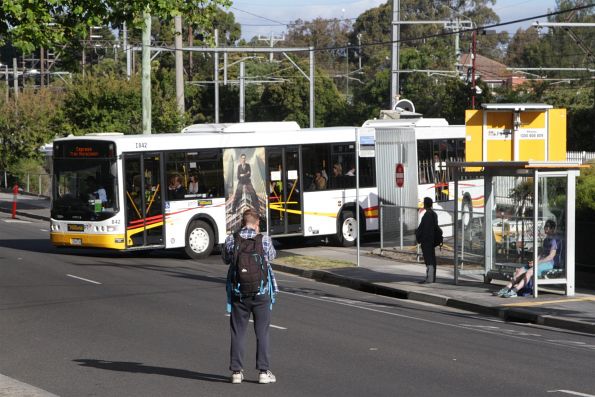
290,101
103,103
585,192
27,124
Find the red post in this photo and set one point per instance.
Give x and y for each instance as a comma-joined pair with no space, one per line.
15,193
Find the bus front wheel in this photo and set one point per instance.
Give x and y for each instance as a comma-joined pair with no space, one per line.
199,240
347,232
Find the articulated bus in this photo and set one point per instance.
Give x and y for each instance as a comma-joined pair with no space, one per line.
187,190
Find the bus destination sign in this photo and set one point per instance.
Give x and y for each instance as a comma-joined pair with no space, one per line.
79,151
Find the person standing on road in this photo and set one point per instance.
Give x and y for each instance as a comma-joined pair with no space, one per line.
250,294
426,237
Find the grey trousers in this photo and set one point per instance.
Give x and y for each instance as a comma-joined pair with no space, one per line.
260,307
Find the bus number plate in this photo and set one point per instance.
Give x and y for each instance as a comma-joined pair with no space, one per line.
76,241
76,228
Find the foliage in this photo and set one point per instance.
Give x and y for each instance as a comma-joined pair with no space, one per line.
103,103
29,24
290,100
585,193
27,124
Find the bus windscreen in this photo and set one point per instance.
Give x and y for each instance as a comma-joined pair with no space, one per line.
85,181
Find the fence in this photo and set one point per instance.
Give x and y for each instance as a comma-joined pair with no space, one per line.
580,157
397,232
32,183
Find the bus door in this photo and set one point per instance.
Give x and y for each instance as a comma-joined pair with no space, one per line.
144,210
284,191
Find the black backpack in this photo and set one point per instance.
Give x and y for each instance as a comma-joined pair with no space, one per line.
438,239
250,268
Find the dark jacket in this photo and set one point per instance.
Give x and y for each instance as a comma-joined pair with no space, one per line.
244,173
427,227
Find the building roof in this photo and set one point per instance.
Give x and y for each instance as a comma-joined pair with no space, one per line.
487,68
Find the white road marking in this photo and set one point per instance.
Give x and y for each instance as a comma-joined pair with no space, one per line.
12,387
44,230
84,279
15,221
272,326
574,393
463,326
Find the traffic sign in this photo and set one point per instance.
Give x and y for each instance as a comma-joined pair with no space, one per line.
399,174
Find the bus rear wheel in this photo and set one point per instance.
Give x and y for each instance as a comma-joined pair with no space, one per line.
199,240
347,233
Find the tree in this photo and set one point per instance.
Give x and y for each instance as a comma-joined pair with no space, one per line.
30,24
27,124
102,103
290,101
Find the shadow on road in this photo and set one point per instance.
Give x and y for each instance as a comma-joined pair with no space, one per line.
125,366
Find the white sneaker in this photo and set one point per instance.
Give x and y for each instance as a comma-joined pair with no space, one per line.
266,377
237,377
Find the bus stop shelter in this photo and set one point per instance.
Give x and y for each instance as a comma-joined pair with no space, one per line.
520,197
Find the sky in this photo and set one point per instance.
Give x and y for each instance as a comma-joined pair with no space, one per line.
263,17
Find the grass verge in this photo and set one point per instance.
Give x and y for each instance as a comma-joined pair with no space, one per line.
311,262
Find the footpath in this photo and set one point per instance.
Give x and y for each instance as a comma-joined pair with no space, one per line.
397,277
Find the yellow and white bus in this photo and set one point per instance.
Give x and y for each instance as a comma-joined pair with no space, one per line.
187,190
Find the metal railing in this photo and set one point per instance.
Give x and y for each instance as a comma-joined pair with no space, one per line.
32,183
398,225
580,157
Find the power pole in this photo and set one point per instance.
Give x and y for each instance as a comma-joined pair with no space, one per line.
146,72
128,51
359,50
179,65
216,71
15,79
242,101
41,67
396,37
473,51
272,41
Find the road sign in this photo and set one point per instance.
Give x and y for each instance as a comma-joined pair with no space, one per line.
399,174
367,142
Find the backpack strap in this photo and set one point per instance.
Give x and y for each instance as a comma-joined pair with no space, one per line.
259,247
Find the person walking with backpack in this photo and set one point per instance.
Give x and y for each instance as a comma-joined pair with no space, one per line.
429,235
251,287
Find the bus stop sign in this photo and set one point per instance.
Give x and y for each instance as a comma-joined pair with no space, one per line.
399,174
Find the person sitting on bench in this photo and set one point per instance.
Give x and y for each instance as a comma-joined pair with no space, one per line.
545,263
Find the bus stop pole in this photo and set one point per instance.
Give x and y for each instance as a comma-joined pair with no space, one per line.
357,191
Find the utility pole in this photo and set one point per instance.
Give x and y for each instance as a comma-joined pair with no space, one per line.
216,71
359,50
179,65
15,79
311,80
146,72
242,101
41,67
128,51
396,37
347,73
473,49
190,44
272,40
